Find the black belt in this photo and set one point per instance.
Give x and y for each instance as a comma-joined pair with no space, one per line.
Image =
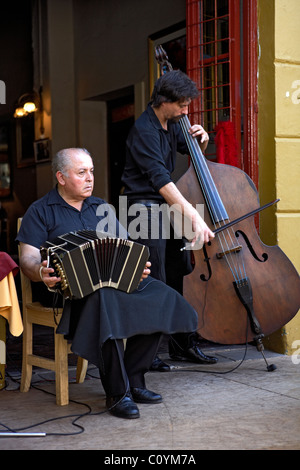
145,202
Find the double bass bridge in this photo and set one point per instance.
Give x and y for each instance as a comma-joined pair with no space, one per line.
235,249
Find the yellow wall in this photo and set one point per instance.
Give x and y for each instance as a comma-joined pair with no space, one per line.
279,138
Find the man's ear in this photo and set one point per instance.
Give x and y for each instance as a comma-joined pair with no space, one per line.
60,178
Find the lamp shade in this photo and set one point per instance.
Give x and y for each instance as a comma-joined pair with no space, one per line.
27,103
20,112
30,107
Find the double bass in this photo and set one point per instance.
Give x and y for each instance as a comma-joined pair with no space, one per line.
241,288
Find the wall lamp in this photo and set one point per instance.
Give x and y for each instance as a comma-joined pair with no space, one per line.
30,103
27,103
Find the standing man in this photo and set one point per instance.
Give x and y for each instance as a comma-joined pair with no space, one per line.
151,150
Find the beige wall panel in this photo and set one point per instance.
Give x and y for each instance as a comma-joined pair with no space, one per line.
287,31
288,229
288,173
287,90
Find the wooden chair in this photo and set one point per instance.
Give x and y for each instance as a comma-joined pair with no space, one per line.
35,313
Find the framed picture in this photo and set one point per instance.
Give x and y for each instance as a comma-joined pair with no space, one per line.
42,150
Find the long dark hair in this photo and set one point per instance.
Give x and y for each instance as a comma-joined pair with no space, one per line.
173,86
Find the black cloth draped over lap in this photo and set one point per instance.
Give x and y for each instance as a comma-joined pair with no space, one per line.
112,314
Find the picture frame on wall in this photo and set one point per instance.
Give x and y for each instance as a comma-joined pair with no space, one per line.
42,150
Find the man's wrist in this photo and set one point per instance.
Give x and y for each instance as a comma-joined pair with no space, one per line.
40,273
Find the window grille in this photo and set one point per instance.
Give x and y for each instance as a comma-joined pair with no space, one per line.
213,62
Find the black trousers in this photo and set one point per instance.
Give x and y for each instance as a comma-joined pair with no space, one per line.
126,367
168,263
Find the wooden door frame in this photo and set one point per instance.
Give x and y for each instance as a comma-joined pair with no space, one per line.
250,95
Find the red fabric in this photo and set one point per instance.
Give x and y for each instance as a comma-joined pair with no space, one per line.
7,265
226,144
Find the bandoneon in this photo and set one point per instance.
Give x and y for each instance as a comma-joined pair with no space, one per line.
85,262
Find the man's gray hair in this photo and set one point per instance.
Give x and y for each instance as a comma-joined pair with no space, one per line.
62,161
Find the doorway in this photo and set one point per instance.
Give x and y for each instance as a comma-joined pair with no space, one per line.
120,119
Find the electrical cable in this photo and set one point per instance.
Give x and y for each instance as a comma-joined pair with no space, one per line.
20,431
213,371
220,372
17,432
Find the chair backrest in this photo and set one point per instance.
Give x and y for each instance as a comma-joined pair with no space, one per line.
25,281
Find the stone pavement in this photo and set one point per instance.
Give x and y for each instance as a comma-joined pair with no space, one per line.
233,405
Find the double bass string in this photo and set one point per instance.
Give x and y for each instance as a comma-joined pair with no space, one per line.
215,206
216,209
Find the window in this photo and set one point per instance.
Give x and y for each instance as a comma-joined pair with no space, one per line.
221,59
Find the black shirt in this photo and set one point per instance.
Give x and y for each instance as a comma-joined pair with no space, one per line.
151,156
51,216
107,312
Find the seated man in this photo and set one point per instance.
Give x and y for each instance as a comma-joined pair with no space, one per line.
98,323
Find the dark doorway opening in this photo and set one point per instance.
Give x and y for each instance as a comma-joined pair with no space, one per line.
120,118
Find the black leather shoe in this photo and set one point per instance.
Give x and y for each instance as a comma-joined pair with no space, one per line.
159,366
193,354
142,395
122,406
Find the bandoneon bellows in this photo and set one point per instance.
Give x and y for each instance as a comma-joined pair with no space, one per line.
86,263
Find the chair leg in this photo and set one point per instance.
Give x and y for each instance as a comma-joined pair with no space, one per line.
82,365
61,370
27,351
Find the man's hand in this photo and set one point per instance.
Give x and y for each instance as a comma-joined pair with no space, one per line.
202,232
198,132
45,275
146,271
34,268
